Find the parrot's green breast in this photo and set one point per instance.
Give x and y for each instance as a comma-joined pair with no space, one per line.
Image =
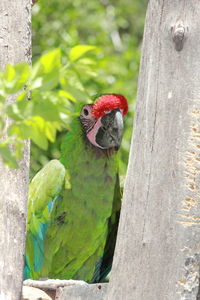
77,228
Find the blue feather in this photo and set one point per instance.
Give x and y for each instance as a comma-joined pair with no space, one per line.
38,245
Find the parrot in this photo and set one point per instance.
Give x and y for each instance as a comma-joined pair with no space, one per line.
74,203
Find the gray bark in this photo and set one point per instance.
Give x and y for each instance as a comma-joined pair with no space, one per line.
158,246
15,46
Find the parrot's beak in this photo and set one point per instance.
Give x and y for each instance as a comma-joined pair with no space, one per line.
110,132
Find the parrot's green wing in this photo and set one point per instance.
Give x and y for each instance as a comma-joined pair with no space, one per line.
44,190
103,267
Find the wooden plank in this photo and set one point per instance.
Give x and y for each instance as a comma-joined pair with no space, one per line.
64,289
15,46
83,292
158,246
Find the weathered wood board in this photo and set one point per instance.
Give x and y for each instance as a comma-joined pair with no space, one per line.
158,248
15,46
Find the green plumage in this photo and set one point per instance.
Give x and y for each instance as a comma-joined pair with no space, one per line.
73,207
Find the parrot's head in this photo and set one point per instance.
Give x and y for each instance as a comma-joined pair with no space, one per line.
103,121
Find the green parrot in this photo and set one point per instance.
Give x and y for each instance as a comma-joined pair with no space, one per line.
74,203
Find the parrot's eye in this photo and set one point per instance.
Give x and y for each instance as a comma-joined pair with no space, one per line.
86,112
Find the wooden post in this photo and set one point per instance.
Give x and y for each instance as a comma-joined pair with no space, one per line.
15,46
158,246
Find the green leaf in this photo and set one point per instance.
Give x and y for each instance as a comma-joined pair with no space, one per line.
13,112
37,83
66,94
87,61
19,149
79,51
7,156
33,129
47,110
36,70
51,61
86,70
81,96
22,96
16,77
37,129
71,78
2,98
1,125
23,72
46,71
2,88
50,131
9,73
20,110
46,81
50,80
73,86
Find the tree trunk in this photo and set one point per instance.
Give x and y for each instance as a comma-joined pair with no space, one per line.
158,246
15,46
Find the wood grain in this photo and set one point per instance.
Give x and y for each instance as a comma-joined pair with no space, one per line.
158,247
15,46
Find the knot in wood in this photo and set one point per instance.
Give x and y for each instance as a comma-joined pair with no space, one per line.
178,35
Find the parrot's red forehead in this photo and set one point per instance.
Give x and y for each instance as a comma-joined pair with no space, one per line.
109,102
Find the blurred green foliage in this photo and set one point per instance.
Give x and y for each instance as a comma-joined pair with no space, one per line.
54,86
90,48
115,27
